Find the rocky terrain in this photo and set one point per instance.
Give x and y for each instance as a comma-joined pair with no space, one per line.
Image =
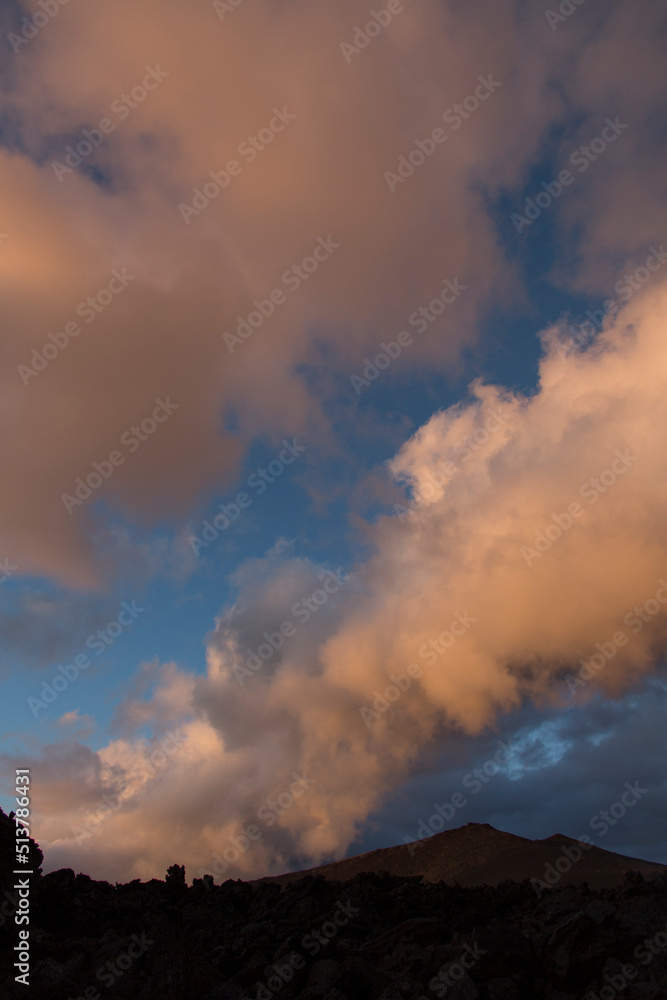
364,934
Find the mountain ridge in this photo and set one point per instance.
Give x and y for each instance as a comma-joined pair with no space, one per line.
479,854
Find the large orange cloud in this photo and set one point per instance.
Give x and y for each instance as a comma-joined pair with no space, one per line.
487,579
322,175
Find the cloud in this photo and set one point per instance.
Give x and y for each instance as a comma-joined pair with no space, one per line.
592,435
84,724
40,626
321,177
566,765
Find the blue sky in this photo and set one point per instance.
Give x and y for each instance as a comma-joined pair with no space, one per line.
179,612
533,253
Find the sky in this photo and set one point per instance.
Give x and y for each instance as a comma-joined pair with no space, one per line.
334,427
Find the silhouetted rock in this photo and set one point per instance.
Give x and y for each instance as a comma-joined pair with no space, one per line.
8,851
373,936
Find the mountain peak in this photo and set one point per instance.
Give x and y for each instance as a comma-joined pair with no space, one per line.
479,854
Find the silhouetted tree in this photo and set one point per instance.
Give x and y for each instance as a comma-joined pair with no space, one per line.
8,860
176,876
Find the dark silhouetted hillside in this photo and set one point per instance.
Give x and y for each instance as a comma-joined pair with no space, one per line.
364,935
478,854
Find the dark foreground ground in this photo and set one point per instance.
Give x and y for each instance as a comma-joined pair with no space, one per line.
371,937
365,936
